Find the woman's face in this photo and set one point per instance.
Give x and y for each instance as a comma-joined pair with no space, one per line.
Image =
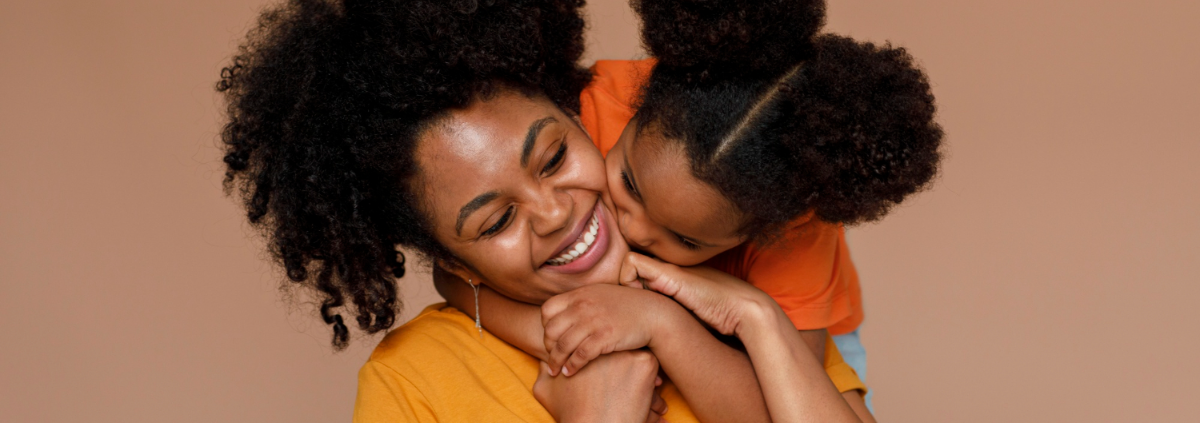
513,187
661,207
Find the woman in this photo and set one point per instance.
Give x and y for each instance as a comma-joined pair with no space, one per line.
447,128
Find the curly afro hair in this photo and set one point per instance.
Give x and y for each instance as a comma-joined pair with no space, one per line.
782,122
730,38
326,100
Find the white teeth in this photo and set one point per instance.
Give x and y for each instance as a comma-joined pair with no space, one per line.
584,242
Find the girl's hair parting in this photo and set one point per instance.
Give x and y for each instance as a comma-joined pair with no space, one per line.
782,121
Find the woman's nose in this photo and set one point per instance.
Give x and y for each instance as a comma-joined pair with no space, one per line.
553,212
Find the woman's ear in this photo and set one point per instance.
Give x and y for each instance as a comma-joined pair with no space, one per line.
579,123
453,270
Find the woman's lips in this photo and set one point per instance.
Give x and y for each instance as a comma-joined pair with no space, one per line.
593,253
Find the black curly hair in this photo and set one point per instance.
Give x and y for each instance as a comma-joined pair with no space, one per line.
326,100
782,121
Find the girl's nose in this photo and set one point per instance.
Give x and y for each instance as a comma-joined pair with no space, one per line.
636,232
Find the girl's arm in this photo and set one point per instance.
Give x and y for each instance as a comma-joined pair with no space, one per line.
716,380
794,384
514,322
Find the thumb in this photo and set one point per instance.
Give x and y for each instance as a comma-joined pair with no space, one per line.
640,271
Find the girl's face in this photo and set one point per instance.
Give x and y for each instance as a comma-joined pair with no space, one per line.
659,204
513,186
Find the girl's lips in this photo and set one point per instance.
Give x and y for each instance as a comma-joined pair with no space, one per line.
594,253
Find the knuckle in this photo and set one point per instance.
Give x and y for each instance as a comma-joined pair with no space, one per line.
582,351
644,359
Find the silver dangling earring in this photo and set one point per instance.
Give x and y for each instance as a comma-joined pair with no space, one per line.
478,325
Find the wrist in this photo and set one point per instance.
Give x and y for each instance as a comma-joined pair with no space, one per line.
761,316
670,320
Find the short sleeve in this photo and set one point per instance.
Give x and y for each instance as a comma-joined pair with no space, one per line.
843,376
384,395
805,273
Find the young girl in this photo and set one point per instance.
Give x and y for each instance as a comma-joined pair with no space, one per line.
753,143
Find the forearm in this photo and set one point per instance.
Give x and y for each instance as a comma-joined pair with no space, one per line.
517,323
794,385
514,322
717,381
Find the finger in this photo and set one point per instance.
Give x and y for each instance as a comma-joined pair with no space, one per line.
566,346
554,306
658,381
587,351
554,331
636,269
650,273
652,417
658,405
628,276
543,372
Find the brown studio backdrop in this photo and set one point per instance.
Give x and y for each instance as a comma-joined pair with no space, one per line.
1050,275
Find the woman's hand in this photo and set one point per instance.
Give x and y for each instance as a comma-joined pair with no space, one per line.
720,300
617,387
588,322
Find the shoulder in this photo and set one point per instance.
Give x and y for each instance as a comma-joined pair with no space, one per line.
438,367
806,256
802,237
436,329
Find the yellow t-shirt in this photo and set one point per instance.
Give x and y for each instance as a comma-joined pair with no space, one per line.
436,368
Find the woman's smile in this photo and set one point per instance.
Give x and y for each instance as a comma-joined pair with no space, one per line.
530,223
585,246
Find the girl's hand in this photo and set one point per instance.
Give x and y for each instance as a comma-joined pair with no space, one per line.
618,387
587,322
720,300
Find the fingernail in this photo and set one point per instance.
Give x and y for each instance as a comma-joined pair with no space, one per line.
565,372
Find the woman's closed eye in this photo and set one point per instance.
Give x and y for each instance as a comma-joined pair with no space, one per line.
557,159
500,223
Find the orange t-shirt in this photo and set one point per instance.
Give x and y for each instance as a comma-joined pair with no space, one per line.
808,272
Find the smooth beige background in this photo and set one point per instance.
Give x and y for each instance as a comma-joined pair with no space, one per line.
1051,275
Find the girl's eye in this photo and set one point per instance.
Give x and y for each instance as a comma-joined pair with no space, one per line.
554,161
687,244
625,180
499,223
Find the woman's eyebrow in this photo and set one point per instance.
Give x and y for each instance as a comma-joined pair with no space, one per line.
531,137
472,206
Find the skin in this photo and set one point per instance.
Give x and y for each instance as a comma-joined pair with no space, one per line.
522,211
632,375
661,207
793,385
531,208
535,179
